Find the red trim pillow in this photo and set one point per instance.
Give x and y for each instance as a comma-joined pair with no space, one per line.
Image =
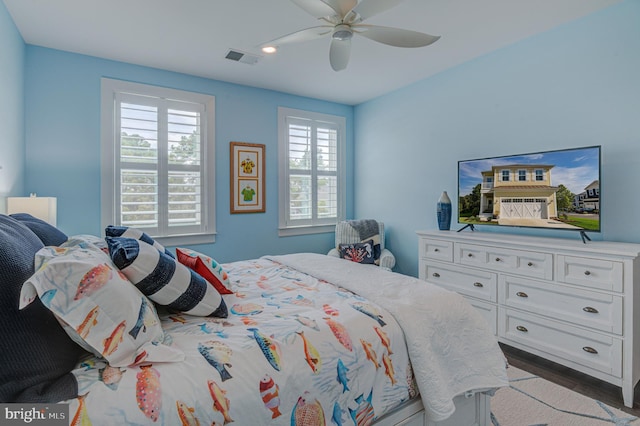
208,268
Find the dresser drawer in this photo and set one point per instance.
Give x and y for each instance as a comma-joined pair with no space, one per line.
469,282
594,273
588,308
488,311
528,263
574,344
436,249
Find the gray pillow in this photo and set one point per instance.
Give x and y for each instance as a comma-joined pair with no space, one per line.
36,355
48,234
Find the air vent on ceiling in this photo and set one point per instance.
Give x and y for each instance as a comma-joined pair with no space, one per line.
244,57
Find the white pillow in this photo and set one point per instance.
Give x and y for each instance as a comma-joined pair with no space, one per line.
98,307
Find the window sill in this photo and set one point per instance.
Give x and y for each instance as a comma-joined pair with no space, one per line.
306,230
185,240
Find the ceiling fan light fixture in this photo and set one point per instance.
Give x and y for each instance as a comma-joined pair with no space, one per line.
269,49
342,32
342,18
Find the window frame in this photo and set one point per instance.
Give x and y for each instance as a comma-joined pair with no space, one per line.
286,226
522,175
112,89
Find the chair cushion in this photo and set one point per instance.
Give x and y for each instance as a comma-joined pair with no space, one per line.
358,252
36,354
48,234
356,231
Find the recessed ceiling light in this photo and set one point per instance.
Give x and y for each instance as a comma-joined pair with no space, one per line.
269,49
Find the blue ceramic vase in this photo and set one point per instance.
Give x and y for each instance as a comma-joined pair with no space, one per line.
444,212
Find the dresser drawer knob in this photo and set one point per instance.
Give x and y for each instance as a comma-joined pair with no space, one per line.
477,284
498,259
530,264
590,310
589,349
436,275
436,250
587,273
470,255
521,328
522,294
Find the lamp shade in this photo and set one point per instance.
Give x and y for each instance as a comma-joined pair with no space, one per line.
44,208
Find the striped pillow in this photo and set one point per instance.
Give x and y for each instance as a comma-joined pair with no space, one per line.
136,234
164,280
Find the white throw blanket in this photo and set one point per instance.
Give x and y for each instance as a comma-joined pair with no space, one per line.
451,347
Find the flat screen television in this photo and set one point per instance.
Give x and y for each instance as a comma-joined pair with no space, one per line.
551,189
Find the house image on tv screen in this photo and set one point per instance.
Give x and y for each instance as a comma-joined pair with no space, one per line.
518,194
552,189
589,200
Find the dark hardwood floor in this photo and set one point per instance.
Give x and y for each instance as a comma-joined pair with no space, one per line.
571,379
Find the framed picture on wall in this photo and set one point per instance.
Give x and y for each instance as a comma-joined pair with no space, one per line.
247,177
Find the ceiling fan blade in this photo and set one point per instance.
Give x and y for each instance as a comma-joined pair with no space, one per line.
368,8
302,35
316,8
395,36
339,53
341,7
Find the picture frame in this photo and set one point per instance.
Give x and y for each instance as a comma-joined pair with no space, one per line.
247,180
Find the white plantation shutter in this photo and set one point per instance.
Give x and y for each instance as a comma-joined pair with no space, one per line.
161,182
311,161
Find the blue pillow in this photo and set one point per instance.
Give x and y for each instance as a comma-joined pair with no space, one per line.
363,252
164,280
128,232
36,355
48,234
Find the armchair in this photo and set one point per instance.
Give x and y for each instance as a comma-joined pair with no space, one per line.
358,231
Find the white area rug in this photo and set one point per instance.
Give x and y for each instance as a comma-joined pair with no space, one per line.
533,401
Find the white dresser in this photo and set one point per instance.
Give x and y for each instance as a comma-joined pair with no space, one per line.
561,299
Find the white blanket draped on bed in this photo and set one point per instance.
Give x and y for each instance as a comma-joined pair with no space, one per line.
451,348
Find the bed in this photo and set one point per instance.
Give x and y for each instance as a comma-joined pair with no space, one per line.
299,339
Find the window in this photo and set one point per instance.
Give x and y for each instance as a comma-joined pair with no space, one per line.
157,161
539,175
505,176
311,148
488,182
522,175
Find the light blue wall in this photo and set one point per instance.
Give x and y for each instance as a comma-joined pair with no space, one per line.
576,85
63,146
12,144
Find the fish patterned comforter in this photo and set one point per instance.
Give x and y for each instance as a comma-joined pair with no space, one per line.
294,350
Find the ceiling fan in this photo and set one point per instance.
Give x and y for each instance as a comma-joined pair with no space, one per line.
342,19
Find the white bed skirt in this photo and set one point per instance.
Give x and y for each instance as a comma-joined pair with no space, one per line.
474,410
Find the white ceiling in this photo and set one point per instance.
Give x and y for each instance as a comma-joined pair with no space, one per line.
193,37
